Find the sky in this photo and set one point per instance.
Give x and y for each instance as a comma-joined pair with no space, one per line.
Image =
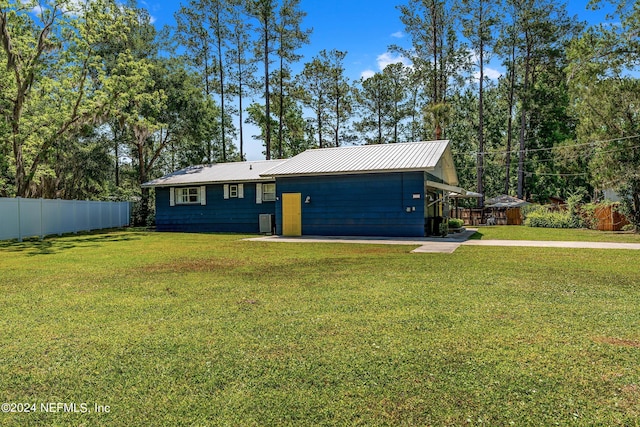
363,28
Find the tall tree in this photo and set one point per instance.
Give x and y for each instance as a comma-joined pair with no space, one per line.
192,33
605,97
242,67
376,106
203,28
311,88
290,37
218,27
339,96
52,73
542,28
265,13
479,19
138,107
415,129
141,42
398,80
506,48
436,51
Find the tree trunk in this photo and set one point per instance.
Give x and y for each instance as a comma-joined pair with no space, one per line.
320,143
116,140
337,132
481,127
223,132
240,119
267,138
523,123
512,80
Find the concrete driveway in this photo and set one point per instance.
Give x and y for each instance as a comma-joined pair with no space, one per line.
447,244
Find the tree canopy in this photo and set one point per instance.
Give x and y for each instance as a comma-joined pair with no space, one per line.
94,100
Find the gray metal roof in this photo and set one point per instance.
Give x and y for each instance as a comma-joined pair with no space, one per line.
216,173
422,156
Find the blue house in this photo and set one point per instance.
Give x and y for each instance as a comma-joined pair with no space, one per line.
226,197
368,190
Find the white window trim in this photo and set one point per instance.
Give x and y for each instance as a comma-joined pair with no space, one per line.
258,193
272,198
178,197
203,195
229,192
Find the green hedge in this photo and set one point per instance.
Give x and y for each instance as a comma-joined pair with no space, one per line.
542,216
547,219
455,223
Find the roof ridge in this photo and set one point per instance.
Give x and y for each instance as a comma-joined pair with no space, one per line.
377,145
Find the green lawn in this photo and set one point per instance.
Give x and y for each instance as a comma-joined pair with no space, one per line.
200,329
519,232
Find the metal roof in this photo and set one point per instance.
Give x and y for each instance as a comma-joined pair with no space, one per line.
219,172
505,201
421,156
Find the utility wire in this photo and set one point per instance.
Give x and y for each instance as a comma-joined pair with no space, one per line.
533,150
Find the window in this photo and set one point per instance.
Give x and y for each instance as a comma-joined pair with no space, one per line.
233,191
269,192
185,196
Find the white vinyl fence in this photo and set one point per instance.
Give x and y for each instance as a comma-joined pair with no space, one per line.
20,218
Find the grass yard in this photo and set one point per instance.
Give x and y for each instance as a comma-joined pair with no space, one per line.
204,330
519,232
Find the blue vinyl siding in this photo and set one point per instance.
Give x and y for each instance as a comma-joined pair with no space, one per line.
358,205
218,215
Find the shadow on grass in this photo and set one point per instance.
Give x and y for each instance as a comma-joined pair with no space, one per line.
54,244
476,236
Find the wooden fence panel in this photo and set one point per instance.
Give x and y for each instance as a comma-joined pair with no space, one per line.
610,219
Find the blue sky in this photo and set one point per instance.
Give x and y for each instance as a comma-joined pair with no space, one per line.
363,28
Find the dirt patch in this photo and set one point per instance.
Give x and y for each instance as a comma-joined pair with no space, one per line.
618,342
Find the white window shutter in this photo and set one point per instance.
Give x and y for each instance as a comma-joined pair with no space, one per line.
203,195
258,193
241,191
172,196
226,191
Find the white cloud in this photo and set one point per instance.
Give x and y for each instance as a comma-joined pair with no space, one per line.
366,74
397,35
71,7
492,73
383,60
389,58
489,73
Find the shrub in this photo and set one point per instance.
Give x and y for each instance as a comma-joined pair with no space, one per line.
547,219
542,216
455,223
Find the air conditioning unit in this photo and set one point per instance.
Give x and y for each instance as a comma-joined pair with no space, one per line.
267,223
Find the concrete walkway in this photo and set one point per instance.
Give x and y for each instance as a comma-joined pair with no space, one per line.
426,244
553,244
447,244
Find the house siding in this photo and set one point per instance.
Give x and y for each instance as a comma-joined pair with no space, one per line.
372,204
233,215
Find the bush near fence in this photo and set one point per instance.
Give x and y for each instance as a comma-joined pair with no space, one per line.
20,218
